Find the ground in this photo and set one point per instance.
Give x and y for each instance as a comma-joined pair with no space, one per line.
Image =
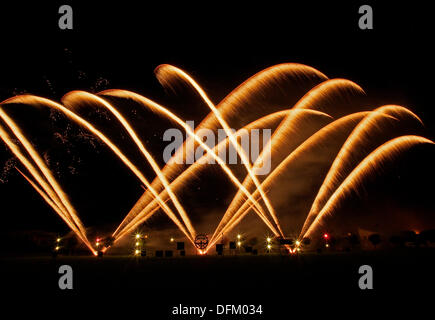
154,285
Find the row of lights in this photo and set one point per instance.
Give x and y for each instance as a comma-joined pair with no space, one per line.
58,240
138,242
138,236
268,242
239,243
326,237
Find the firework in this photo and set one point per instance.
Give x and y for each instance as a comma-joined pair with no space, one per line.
298,129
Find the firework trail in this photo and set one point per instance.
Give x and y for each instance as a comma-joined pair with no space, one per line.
245,95
166,72
315,99
190,172
78,96
58,211
48,194
286,136
60,195
27,99
297,131
362,134
344,124
305,119
34,101
369,165
158,108
267,121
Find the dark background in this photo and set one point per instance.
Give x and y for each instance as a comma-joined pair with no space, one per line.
118,45
221,44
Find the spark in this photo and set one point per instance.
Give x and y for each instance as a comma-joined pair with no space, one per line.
164,111
365,167
76,96
342,176
34,100
316,139
171,69
354,141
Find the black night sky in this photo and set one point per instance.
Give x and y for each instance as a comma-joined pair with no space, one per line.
221,45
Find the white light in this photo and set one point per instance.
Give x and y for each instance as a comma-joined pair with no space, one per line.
239,243
297,242
137,252
268,239
269,247
327,245
137,236
239,236
137,244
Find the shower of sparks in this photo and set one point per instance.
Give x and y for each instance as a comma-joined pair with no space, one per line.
342,176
